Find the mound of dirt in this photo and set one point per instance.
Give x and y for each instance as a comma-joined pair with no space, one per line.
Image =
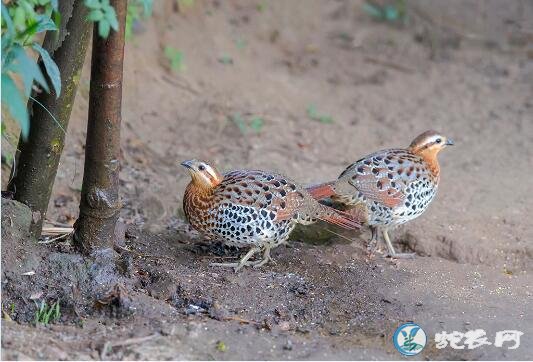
304,91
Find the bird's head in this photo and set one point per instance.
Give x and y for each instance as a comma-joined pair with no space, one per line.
203,175
430,143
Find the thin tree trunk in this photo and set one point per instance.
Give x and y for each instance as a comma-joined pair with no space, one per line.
100,202
39,156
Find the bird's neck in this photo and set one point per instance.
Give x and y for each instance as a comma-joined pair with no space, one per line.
199,192
430,157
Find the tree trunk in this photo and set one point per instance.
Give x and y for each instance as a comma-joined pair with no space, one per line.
100,202
39,155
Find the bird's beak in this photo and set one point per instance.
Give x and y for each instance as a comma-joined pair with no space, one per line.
187,164
449,142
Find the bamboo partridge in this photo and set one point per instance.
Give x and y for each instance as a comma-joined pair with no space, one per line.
251,208
389,187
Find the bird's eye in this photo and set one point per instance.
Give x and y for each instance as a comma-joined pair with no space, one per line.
438,140
201,167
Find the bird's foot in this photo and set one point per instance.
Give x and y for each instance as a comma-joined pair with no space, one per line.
245,261
266,258
371,248
262,262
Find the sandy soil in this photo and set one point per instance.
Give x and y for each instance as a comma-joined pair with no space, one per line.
465,69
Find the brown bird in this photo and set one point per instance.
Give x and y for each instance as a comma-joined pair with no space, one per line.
391,186
251,208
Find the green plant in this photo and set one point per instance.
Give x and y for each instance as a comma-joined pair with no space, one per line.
408,343
136,10
315,116
261,7
240,43
101,12
388,12
175,57
45,314
22,20
225,59
185,3
255,123
221,346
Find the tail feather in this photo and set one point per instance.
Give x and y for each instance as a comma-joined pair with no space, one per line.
321,191
341,218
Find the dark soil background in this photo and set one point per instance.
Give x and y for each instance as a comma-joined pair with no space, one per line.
464,68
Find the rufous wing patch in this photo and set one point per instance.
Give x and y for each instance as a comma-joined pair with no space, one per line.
378,189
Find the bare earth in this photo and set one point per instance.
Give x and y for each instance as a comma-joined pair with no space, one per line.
465,69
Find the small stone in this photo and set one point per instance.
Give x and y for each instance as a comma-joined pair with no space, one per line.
288,345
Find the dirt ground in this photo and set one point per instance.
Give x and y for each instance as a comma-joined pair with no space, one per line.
253,73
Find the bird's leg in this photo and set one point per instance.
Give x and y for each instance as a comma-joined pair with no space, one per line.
243,262
372,243
371,247
266,257
392,253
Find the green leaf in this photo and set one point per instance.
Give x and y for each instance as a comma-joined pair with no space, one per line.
111,17
95,15
239,122
240,44
19,18
57,19
325,119
28,9
103,28
391,13
176,58
413,332
147,5
30,30
7,19
93,4
51,68
106,8
257,124
225,59
315,116
28,70
312,112
8,56
15,104
45,24
373,10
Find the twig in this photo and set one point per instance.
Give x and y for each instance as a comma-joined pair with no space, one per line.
58,232
389,64
220,257
241,320
54,239
54,230
142,254
185,86
108,345
55,223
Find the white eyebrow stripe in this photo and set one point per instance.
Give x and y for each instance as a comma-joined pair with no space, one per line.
210,170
